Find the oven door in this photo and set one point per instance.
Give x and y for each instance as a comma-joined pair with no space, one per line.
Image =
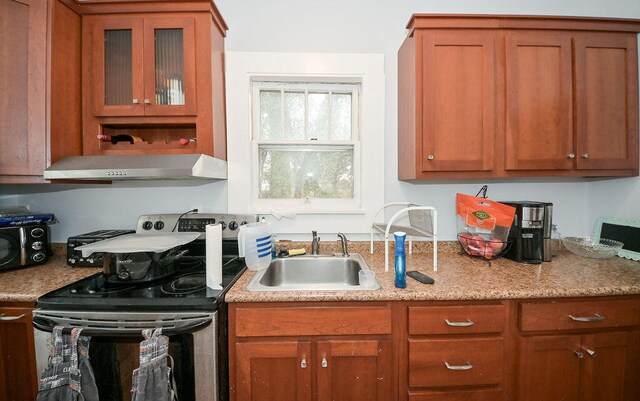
114,348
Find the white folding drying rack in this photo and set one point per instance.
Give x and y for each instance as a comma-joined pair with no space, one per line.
423,222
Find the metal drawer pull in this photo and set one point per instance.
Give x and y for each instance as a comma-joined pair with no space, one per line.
458,367
303,363
594,318
5,318
579,354
324,363
591,352
459,324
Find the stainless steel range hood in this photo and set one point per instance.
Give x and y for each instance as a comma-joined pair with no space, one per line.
137,167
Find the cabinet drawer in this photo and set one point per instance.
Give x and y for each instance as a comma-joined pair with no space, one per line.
310,321
469,395
579,314
456,319
471,362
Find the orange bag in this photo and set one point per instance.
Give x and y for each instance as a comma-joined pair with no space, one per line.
483,225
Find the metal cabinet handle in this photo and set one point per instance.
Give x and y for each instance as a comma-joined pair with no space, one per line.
430,157
6,318
324,363
147,101
459,324
594,318
135,101
585,156
591,352
578,354
571,155
458,367
303,363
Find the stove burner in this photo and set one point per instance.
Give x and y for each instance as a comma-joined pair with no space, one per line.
98,287
185,285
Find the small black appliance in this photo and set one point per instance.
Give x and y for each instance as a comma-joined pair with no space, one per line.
75,259
527,232
22,246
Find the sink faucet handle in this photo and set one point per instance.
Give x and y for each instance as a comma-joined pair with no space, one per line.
343,240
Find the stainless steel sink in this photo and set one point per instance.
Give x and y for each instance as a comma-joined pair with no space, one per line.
329,272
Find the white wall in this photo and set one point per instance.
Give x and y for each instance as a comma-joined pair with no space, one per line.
355,26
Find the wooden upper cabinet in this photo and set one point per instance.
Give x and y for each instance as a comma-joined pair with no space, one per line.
484,96
143,65
141,62
23,76
458,109
606,76
539,129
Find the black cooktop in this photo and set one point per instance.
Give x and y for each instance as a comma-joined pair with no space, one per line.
184,290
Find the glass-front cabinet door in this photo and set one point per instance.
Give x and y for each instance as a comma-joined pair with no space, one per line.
143,66
169,56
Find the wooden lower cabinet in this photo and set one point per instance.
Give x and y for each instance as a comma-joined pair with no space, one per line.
593,367
579,350
456,351
273,370
354,370
18,378
311,352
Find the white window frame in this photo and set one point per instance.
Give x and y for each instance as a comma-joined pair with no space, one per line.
307,205
368,69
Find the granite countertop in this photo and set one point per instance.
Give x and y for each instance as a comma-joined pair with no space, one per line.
461,277
29,283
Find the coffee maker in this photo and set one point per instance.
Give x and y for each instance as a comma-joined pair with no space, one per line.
530,233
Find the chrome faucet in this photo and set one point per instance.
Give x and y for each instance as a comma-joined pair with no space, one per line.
315,243
343,240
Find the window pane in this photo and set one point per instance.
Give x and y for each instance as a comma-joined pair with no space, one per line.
286,173
270,114
169,67
341,116
318,116
294,116
118,81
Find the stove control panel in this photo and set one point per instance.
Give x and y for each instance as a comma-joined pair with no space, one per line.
193,222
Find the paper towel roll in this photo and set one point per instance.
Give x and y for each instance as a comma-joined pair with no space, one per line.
214,256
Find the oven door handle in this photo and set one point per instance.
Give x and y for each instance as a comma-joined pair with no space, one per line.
44,324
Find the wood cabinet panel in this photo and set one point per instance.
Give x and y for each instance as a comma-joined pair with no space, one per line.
456,319
607,98
549,368
468,395
605,365
471,361
302,321
458,116
586,315
18,377
273,371
23,80
354,370
539,101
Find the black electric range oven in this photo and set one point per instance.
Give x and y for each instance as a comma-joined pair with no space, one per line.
114,315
